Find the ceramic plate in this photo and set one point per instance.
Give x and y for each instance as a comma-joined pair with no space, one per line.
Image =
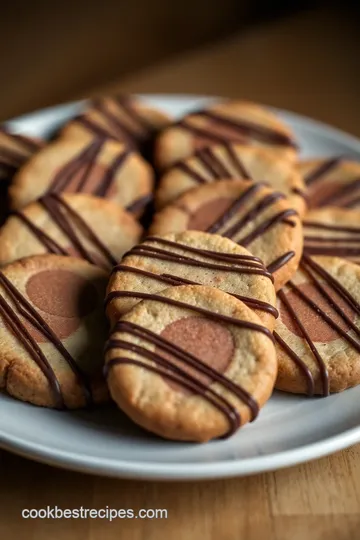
289,430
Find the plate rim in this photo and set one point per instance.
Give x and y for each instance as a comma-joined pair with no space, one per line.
141,470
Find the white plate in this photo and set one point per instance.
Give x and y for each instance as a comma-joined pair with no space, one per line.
290,429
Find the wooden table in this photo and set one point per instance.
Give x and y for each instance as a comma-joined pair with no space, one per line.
309,65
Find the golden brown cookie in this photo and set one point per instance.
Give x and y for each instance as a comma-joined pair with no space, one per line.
15,150
123,118
192,257
219,162
52,331
318,331
240,122
192,363
333,231
332,182
74,224
252,215
103,167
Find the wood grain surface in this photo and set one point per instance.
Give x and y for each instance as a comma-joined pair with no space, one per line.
308,65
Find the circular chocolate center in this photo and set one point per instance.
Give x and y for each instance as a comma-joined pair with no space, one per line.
318,329
210,342
208,213
62,293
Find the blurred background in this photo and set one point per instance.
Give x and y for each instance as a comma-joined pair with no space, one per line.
297,54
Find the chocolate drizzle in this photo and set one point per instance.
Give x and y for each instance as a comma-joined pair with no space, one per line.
280,261
167,369
245,264
216,168
332,243
321,170
242,129
65,217
133,130
12,317
85,162
314,271
345,195
232,232
172,280
139,204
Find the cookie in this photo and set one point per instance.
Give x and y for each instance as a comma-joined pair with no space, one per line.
332,182
123,118
15,150
229,121
104,168
333,231
192,257
232,161
252,215
318,331
191,363
74,224
52,331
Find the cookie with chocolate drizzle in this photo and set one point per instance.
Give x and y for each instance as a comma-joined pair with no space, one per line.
223,161
197,258
52,331
103,168
76,224
191,363
123,118
240,122
317,333
332,182
252,215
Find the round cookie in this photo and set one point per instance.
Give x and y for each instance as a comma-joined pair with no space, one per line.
15,150
332,182
74,224
232,161
252,215
52,331
196,258
192,363
333,231
240,122
123,118
318,331
103,167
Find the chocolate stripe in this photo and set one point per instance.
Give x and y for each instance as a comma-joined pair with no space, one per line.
235,206
341,191
231,257
299,362
250,129
321,170
171,279
280,261
64,216
104,187
212,315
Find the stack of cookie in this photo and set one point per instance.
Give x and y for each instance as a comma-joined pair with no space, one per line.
215,295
